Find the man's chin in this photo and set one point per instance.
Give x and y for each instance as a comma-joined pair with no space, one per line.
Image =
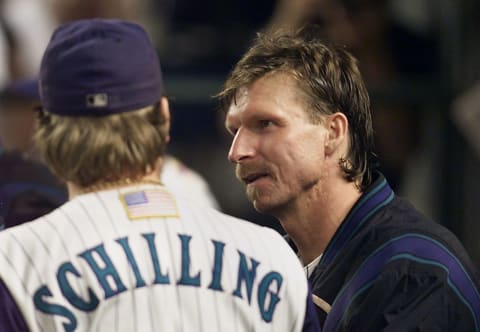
262,205
267,204
262,200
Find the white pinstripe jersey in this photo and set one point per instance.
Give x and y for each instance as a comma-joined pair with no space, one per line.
88,266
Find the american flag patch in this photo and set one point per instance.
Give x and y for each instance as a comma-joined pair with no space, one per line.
154,203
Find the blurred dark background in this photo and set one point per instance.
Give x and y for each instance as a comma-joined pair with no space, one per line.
420,59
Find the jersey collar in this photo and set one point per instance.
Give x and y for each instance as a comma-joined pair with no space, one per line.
375,197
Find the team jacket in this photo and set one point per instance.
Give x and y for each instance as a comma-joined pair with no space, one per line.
388,268
139,259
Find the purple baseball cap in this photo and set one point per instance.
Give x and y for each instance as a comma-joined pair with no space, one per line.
98,67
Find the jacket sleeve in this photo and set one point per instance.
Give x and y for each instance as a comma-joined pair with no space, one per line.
11,318
406,296
311,322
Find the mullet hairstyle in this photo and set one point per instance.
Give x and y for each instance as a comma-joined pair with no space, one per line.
329,79
92,150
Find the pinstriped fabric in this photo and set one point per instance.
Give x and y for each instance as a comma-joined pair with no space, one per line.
272,252
185,227
23,292
202,271
91,221
236,239
178,323
114,228
90,206
151,304
248,243
224,232
215,302
262,245
67,245
41,240
30,270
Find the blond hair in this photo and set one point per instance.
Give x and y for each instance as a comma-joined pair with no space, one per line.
91,150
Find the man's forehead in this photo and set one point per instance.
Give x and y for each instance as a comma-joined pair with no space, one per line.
270,86
238,102
240,98
237,105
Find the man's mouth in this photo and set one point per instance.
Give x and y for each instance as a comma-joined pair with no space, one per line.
250,178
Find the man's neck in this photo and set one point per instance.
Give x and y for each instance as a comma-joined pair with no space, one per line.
152,176
75,190
312,221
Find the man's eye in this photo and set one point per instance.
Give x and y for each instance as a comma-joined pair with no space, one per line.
265,123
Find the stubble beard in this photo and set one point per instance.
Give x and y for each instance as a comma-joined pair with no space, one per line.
264,202
271,202
254,194
255,198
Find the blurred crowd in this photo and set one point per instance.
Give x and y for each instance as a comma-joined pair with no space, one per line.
417,57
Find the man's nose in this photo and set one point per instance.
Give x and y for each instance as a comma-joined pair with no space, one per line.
242,147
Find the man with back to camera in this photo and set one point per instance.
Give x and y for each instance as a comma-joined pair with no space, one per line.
124,254
27,188
300,119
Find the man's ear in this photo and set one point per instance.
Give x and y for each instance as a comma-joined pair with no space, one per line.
165,113
337,138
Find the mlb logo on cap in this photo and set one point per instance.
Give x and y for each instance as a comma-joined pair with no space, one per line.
97,100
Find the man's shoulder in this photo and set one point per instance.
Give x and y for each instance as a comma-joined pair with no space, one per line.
262,241
18,232
401,220
401,239
399,258
403,243
256,231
